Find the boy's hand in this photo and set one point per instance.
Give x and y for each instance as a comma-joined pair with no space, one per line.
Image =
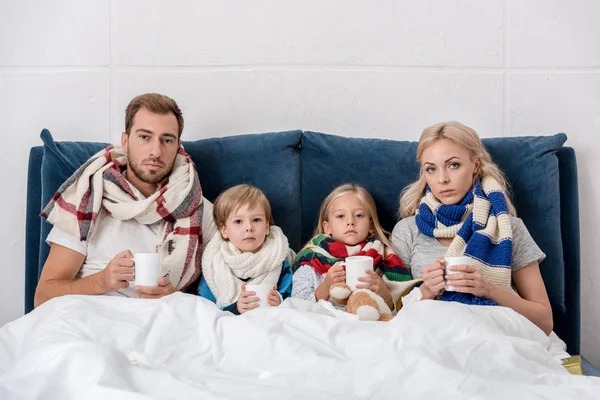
247,300
274,299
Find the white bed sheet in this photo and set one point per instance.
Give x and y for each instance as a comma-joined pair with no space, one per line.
182,346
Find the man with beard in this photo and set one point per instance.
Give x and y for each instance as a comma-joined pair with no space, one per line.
141,197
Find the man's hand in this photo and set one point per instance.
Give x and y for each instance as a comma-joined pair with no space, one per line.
117,273
164,288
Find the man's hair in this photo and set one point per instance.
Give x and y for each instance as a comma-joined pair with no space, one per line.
233,198
153,102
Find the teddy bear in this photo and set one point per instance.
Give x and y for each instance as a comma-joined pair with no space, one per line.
364,303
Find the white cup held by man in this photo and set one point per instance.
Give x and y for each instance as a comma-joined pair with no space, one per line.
356,267
451,261
146,269
262,292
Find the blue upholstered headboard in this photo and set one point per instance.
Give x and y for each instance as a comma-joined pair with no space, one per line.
296,170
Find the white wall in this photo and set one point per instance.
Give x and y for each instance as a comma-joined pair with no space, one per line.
357,68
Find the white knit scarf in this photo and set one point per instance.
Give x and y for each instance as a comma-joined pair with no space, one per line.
224,266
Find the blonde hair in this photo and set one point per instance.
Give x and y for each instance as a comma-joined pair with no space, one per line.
365,198
233,198
466,137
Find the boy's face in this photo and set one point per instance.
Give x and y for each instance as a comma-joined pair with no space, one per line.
246,228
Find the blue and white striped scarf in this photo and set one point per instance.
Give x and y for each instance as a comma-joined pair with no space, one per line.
481,229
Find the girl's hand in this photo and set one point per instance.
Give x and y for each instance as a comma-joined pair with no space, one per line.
247,300
372,282
433,279
274,298
468,279
335,274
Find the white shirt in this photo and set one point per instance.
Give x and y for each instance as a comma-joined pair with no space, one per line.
112,236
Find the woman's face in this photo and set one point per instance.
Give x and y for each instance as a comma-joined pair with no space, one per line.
448,170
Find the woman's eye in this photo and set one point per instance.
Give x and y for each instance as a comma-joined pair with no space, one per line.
339,216
359,215
430,170
454,165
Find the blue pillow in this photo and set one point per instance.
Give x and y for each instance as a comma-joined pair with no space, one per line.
531,166
269,161
385,167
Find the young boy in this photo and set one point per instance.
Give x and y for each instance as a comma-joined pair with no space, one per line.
249,248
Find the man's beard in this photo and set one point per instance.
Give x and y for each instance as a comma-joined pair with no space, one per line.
147,177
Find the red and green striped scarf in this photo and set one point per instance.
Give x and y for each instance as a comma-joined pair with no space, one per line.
323,251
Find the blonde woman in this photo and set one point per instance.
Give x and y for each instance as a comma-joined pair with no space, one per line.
459,207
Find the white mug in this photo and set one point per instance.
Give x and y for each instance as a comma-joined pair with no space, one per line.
262,292
451,261
146,269
356,267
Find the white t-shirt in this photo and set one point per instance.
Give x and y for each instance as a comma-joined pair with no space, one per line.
112,236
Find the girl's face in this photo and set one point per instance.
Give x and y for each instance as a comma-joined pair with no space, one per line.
246,228
348,220
448,170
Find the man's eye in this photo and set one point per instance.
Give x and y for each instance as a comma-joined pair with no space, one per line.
168,141
143,137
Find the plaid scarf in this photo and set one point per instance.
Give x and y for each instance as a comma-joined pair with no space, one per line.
323,251
481,229
99,183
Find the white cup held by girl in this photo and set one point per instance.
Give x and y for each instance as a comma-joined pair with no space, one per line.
356,267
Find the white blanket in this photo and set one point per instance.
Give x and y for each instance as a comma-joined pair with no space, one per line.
183,347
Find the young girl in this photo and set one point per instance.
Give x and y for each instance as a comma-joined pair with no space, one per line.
459,207
348,226
249,248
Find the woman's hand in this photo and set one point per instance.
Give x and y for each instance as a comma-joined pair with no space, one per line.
468,279
433,279
274,298
247,300
336,274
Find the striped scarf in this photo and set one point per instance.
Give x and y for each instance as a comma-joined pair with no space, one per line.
481,229
323,251
178,201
